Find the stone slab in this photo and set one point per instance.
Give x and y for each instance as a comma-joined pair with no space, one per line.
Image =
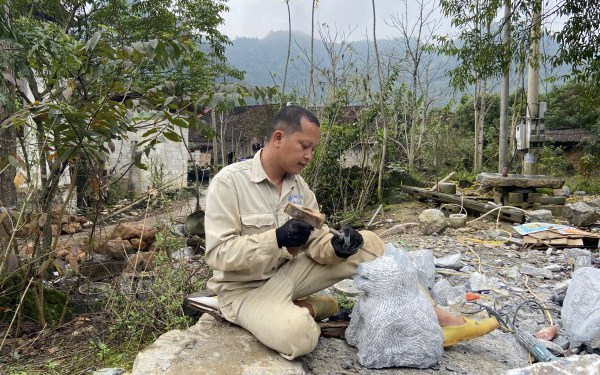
517,180
211,347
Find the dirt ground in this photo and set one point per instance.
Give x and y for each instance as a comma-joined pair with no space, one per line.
77,347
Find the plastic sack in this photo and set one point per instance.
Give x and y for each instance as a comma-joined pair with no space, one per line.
581,308
393,323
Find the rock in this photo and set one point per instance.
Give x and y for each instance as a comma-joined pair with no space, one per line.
580,214
139,244
529,270
539,216
71,228
397,229
211,347
450,261
127,231
579,193
177,229
467,269
446,294
194,223
572,253
432,221
109,371
347,288
529,325
565,191
554,268
583,261
511,273
580,312
117,248
594,203
572,365
561,341
561,286
479,282
183,253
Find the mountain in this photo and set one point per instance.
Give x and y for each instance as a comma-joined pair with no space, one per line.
263,60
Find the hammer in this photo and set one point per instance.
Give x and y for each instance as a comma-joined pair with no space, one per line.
316,219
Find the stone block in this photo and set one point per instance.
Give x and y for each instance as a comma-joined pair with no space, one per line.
514,197
546,199
555,209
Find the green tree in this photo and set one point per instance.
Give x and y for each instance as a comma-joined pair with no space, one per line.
574,105
579,38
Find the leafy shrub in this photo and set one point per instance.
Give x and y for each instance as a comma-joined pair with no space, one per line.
147,304
553,162
590,185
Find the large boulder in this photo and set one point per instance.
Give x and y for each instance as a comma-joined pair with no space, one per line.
432,221
581,214
127,231
117,248
572,365
211,347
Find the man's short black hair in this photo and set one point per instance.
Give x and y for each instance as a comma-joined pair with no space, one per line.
288,119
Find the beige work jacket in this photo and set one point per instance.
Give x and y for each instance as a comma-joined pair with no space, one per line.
243,208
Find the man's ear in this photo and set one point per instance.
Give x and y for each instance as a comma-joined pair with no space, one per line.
277,136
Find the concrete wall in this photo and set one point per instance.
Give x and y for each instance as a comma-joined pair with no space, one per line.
167,162
357,156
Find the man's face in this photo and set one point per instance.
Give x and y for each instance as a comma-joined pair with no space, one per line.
297,149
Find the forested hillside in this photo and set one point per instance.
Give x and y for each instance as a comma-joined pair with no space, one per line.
263,61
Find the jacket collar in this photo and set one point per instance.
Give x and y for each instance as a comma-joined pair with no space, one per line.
259,174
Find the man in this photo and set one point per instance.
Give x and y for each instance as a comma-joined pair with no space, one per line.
266,264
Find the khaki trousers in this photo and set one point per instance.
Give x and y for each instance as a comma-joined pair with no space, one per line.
268,311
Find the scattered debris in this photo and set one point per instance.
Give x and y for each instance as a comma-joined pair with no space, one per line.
555,235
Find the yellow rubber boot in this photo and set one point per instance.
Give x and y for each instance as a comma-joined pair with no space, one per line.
470,330
320,307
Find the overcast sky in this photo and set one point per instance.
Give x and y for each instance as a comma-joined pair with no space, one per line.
256,18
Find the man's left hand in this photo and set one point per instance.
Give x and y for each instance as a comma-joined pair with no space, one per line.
347,244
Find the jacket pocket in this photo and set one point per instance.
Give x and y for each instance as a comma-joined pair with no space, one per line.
256,223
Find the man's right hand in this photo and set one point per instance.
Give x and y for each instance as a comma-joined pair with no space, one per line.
294,233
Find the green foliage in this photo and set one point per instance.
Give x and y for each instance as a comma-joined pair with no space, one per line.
149,305
589,184
337,188
168,242
579,38
553,162
344,302
54,301
574,105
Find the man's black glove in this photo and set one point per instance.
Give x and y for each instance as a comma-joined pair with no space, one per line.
347,244
294,233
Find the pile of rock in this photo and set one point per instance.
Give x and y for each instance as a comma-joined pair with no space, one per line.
67,224
125,240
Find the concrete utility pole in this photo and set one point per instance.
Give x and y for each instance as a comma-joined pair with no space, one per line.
502,146
532,120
